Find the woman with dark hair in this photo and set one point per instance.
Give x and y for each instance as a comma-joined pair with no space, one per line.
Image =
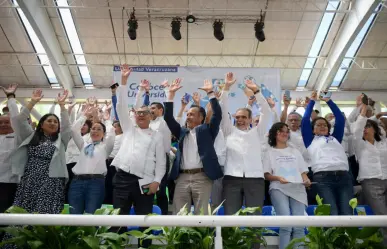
87,189
286,170
329,163
371,152
40,159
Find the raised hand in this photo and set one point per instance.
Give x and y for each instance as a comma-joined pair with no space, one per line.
207,87
88,111
313,96
299,102
306,102
145,85
196,98
125,72
359,100
62,97
11,89
108,105
218,95
106,115
165,83
183,103
286,100
175,85
271,102
229,80
37,95
324,99
92,101
252,86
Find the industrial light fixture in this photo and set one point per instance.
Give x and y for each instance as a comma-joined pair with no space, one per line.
176,24
190,19
258,27
133,25
218,33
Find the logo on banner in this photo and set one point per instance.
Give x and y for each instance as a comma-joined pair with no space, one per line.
155,91
150,69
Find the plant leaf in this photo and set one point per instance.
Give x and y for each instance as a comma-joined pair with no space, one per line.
319,200
35,244
367,232
323,209
16,210
217,208
93,242
110,236
136,234
353,203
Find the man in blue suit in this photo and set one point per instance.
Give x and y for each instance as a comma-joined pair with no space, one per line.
196,164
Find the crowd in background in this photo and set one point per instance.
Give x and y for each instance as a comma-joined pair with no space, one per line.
111,154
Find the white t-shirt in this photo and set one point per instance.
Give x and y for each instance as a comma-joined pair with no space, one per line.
289,164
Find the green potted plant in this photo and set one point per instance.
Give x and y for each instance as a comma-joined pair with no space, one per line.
65,237
338,237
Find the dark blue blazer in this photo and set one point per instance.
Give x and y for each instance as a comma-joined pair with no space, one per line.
205,138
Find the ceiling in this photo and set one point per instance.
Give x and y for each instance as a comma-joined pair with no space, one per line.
290,28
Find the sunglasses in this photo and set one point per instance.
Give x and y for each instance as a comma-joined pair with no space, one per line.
142,113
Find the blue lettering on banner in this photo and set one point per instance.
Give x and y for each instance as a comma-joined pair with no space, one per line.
150,69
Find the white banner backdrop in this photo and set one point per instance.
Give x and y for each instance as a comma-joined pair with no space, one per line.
193,78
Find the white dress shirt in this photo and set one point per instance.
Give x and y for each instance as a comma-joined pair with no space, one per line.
7,146
72,151
117,145
220,148
372,157
243,156
161,126
95,164
142,152
191,158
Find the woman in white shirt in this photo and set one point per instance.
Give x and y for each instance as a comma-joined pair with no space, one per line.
371,152
286,170
87,189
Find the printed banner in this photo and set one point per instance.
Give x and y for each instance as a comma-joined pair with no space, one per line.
193,78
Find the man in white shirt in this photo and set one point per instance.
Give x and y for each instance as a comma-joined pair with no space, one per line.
243,170
141,159
157,123
8,142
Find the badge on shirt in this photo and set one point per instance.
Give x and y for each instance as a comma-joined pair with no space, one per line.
9,136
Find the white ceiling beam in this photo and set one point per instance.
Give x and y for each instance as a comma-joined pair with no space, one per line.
353,23
43,28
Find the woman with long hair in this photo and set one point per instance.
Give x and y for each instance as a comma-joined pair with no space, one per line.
329,163
286,170
40,159
371,152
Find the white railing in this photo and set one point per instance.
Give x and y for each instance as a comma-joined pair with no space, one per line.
194,221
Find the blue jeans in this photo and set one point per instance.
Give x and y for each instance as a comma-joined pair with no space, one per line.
336,189
285,205
86,196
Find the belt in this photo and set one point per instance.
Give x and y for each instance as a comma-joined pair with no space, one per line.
338,172
88,176
192,171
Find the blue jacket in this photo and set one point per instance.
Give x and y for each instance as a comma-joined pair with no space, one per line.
205,137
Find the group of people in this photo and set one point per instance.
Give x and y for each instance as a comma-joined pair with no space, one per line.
124,156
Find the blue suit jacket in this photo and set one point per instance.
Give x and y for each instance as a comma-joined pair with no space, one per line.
205,137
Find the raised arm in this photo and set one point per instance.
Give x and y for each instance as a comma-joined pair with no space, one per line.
122,101
338,132
109,138
284,113
226,124
217,111
173,125
65,126
144,85
76,131
179,117
114,103
306,127
146,99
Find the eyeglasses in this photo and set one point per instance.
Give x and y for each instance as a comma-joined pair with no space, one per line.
142,113
293,120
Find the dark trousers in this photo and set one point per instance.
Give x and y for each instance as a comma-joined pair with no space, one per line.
70,167
111,171
127,193
161,195
311,191
7,195
336,189
235,188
